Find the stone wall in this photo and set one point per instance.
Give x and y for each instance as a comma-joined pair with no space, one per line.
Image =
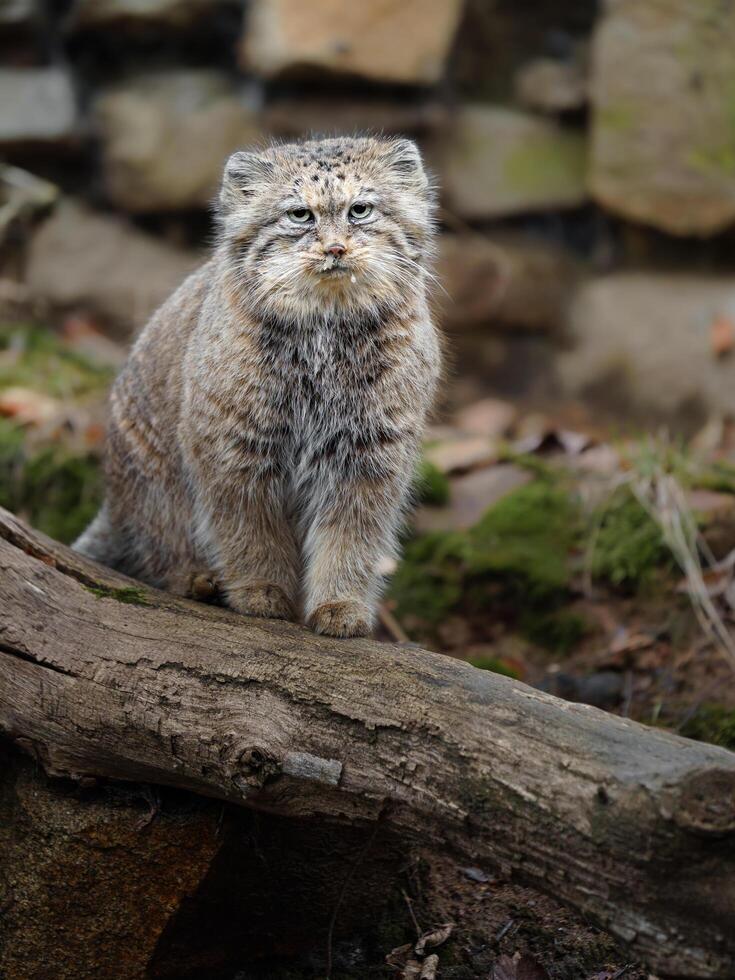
576,144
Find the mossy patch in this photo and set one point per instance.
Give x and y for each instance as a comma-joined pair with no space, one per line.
627,546
55,490
712,723
431,485
550,165
519,556
129,594
520,564
32,356
557,630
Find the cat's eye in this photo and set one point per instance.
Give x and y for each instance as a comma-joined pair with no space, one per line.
360,210
300,216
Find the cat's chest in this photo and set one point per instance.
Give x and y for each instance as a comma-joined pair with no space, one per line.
318,375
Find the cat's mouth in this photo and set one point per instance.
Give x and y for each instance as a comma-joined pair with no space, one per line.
331,268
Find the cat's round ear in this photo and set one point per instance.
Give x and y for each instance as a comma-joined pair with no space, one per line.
244,172
404,159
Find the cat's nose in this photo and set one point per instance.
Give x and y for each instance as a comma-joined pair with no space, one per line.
336,249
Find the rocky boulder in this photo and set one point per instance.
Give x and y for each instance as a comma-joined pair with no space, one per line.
548,85
24,198
504,282
297,118
38,108
84,261
18,13
405,41
663,138
175,14
642,345
165,137
498,162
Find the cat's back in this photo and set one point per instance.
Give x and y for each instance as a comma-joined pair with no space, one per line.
146,397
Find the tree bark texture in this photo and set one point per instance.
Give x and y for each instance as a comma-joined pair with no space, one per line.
632,826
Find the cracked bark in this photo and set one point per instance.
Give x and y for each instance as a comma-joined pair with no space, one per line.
632,826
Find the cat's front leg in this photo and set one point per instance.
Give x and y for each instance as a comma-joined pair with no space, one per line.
354,528
252,546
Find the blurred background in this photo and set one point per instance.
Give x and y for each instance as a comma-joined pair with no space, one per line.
578,489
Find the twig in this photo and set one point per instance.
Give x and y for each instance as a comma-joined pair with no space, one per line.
391,624
411,912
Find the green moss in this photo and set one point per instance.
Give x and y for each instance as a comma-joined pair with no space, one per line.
32,356
712,723
432,486
517,557
558,630
548,165
429,581
618,117
719,476
525,541
628,546
130,594
56,491
494,665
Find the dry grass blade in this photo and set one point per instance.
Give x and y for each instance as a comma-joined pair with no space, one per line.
662,496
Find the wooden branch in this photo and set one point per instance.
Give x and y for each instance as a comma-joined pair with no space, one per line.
633,826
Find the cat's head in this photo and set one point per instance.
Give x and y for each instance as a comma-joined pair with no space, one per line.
327,225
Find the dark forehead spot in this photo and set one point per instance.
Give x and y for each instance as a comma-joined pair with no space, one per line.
315,177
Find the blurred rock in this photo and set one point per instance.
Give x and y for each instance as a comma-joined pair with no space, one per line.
401,41
299,117
498,162
603,689
497,39
86,261
471,496
547,85
663,139
640,345
38,108
23,199
489,417
503,280
166,136
18,13
175,14
459,454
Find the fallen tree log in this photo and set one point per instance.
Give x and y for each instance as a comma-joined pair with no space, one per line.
634,827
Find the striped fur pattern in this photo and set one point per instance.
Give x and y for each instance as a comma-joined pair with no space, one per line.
265,429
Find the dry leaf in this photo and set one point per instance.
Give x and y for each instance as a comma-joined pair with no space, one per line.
428,970
434,938
29,407
461,455
722,335
519,967
476,874
398,956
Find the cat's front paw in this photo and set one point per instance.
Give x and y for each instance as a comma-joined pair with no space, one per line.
265,599
344,617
